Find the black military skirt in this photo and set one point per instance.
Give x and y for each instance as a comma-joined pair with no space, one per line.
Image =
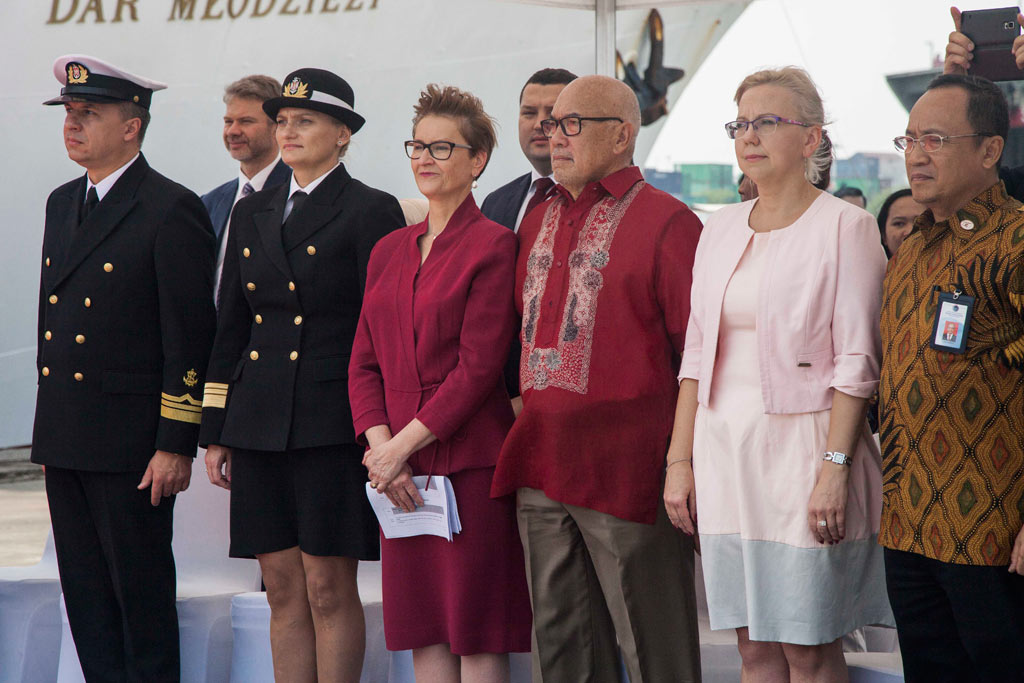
313,498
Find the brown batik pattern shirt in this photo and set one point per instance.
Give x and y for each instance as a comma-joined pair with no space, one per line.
952,425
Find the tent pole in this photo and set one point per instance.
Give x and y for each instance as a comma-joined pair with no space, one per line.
604,37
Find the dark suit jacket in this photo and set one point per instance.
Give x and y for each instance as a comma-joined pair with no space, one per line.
502,206
218,201
289,306
126,321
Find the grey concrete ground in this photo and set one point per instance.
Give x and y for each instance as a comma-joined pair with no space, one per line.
14,465
24,519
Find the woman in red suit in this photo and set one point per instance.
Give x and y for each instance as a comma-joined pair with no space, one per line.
425,382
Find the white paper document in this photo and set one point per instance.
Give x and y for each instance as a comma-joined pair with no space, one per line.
438,516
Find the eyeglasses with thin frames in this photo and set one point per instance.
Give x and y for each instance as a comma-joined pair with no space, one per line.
930,143
439,149
762,125
571,125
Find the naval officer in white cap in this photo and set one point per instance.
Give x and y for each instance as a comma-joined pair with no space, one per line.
126,322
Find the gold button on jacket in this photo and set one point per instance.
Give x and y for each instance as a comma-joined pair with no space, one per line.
109,267
299,320
80,338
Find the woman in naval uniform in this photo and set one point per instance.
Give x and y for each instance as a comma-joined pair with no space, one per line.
276,417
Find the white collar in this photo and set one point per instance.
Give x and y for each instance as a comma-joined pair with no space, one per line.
535,176
103,186
308,189
260,178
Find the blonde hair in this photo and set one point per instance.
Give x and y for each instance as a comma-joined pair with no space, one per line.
809,106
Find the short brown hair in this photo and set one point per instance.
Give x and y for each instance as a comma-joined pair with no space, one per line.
465,109
255,87
129,111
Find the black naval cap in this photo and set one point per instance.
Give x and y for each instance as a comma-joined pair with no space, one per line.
320,91
88,79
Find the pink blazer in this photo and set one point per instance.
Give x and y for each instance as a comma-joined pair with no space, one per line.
818,304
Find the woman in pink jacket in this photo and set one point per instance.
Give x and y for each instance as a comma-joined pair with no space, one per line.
770,450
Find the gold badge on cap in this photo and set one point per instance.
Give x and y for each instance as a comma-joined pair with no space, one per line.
296,88
190,378
77,73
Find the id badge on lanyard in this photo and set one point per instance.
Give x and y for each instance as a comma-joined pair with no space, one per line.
952,322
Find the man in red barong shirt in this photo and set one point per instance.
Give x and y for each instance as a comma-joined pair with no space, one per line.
603,286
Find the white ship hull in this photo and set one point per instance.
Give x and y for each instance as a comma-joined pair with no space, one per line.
387,50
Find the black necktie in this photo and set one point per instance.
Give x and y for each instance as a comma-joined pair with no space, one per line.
91,200
298,199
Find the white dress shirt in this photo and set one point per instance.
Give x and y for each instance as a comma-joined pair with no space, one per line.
308,189
103,186
534,177
257,182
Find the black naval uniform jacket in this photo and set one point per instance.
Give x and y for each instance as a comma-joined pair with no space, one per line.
289,305
126,322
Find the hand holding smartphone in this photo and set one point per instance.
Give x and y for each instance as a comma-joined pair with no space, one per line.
993,31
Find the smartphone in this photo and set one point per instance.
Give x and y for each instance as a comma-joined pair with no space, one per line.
993,31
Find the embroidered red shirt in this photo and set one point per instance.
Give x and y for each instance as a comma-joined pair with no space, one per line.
603,286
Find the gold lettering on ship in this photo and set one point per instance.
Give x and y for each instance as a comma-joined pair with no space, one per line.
97,11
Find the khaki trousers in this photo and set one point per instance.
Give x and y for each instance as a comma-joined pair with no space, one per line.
596,579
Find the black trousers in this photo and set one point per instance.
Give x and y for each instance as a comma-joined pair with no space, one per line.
117,574
956,623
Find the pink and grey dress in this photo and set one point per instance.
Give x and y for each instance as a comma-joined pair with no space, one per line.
755,465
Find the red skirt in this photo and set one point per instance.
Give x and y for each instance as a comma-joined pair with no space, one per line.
470,593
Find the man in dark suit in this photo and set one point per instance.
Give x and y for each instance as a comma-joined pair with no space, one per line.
126,322
511,202
507,205
249,139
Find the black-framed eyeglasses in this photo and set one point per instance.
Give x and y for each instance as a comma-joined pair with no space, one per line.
762,125
932,142
571,125
439,149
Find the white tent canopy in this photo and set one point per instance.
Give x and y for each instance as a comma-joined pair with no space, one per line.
604,22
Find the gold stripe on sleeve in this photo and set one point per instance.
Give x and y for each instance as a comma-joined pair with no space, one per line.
184,399
215,395
180,415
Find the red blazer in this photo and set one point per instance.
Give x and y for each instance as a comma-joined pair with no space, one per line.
432,340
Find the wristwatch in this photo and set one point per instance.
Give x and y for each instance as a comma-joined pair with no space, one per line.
838,458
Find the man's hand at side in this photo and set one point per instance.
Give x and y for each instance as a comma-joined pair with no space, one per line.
168,474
